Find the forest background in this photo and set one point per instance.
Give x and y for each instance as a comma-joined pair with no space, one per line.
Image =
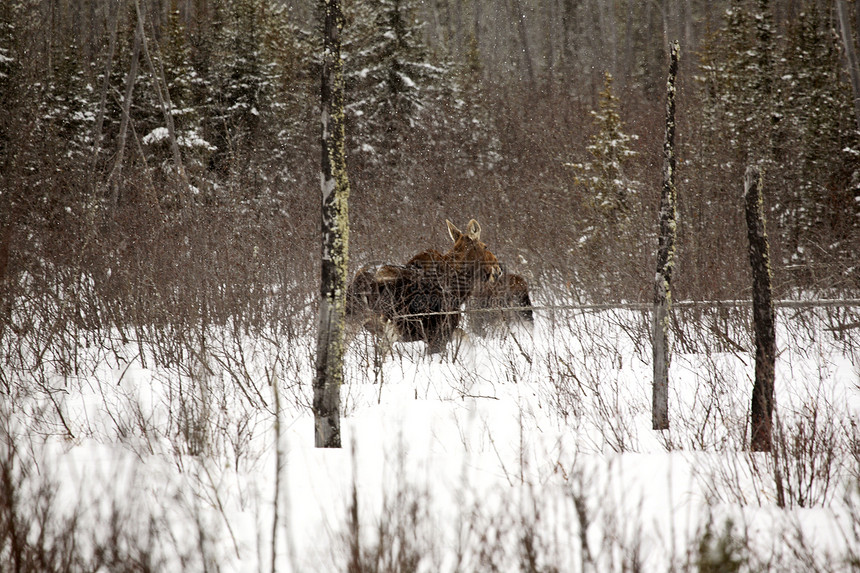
543,120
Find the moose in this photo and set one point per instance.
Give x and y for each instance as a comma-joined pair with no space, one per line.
494,307
421,299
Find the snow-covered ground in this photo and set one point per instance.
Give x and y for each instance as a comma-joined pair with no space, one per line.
531,452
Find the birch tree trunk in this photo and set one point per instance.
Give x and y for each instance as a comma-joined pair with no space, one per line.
335,237
761,412
665,259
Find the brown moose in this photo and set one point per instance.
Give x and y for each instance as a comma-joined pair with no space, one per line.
422,299
494,307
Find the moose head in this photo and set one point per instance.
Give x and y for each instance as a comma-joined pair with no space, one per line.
469,256
467,265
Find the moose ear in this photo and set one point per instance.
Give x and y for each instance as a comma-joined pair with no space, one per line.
474,230
453,231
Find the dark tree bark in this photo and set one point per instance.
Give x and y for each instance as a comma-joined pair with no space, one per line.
665,258
763,315
335,237
568,12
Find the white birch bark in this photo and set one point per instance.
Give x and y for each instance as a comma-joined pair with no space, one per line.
335,237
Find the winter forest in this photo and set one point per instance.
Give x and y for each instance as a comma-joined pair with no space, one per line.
160,279
542,120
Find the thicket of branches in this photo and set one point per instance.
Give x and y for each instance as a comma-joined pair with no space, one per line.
541,120
159,187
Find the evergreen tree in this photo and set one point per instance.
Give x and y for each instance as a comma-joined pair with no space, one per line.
607,196
608,188
289,53
68,109
184,85
781,102
9,84
240,83
734,126
816,141
390,79
260,96
738,76
13,102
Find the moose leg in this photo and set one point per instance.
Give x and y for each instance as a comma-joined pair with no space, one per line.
441,332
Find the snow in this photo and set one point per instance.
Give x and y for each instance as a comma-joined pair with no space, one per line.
190,139
407,81
157,135
543,435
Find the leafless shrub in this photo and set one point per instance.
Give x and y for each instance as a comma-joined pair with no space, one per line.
584,368
851,532
719,548
400,538
708,416
41,532
809,456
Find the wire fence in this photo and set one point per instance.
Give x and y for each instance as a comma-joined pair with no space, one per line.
642,306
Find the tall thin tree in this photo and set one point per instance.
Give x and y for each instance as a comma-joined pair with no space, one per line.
520,17
116,171
159,80
761,412
665,258
335,236
115,8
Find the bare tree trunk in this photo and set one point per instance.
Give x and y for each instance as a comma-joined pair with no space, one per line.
459,43
520,17
116,172
629,64
476,58
567,16
164,102
435,25
335,237
477,22
97,130
763,315
607,29
690,42
549,17
857,15
665,258
850,55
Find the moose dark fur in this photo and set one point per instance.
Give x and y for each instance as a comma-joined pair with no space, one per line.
497,305
421,299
